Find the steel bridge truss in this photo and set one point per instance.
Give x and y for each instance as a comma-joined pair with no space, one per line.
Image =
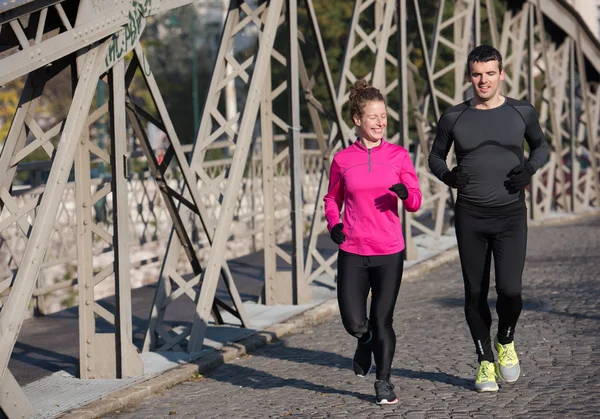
416,58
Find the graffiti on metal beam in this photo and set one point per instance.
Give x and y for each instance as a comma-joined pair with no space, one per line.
124,40
103,5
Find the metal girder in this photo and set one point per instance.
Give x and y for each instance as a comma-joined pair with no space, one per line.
207,135
300,289
284,282
194,204
40,38
243,141
12,314
13,401
571,23
105,355
40,43
280,286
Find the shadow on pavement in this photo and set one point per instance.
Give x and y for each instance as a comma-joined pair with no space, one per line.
329,359
247,377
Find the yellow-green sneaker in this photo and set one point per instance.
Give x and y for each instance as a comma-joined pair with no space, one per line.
508,361
486,377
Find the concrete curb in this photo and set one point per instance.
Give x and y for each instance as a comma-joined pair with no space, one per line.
137,392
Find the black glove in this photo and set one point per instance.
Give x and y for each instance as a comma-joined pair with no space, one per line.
400,190
455,178
520,176
337,235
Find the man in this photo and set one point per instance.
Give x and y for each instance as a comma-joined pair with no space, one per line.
490,213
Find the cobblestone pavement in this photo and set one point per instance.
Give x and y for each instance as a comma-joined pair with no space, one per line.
309,374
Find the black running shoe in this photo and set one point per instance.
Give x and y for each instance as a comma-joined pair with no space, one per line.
361,363
385,392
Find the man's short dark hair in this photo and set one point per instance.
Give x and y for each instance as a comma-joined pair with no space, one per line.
483,54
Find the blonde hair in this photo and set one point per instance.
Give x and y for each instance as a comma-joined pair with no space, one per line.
362,92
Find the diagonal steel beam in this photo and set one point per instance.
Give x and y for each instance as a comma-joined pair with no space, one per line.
13,401
216,256
13,312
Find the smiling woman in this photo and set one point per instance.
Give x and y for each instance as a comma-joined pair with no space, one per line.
366,179
371,123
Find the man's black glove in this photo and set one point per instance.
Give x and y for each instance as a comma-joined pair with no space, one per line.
400,190
455,178
520,176
337,235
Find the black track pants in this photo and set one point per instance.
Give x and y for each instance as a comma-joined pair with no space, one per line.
481,232
382,275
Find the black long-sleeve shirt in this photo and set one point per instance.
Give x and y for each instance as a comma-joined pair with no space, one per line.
488,145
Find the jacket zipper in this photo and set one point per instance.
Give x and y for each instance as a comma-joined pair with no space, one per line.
369,151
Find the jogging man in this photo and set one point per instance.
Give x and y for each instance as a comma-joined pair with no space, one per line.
491,217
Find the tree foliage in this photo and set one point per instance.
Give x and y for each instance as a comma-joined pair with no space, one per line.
9,100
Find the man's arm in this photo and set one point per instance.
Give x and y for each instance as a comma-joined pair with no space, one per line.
441,147
538,147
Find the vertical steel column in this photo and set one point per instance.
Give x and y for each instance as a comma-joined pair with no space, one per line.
85,258
300,290
272,281
489,6
403,70
127,360
105,355
463,26
573,125
554,121
477,23
533,213
401,18
383,26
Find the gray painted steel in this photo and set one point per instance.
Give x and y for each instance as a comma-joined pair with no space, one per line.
557,68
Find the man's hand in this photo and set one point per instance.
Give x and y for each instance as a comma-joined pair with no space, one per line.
400,190
520,176
455,178
337,235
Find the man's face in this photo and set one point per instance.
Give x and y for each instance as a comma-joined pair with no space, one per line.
485,78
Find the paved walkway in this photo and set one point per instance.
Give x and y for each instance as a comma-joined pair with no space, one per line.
308,373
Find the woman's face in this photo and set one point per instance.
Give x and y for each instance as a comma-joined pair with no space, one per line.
371,125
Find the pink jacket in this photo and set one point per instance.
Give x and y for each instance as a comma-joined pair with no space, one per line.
359,179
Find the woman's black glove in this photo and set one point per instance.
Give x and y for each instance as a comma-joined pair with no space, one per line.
520,176
400,190
455,178
337,235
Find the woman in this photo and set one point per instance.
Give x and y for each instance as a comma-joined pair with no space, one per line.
367,178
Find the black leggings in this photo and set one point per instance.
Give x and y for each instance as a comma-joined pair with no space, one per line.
382,275
481,232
